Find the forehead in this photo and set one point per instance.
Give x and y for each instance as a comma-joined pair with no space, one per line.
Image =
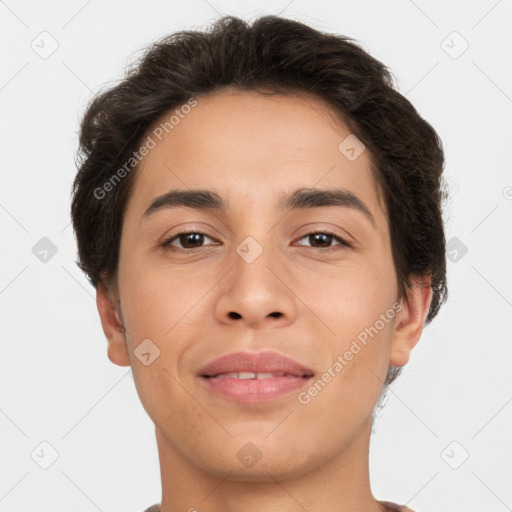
251,148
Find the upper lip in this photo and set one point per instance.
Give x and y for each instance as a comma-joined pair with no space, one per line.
256,362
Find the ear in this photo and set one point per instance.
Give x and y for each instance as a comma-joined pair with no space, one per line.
410,321
117,350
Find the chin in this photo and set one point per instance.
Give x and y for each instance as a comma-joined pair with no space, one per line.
243,461
261,472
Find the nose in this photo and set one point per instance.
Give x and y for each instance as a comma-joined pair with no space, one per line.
256,291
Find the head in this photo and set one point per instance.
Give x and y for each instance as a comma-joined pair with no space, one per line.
259,119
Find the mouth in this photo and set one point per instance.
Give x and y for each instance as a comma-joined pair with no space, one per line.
254,377
250,365
254,387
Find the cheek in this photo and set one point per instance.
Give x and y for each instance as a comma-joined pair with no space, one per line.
361,314
156,298
158,304
350,297
356,304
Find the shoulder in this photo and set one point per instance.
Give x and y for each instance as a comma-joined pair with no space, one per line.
393,507
154,508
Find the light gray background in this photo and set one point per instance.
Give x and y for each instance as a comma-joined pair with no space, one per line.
56,382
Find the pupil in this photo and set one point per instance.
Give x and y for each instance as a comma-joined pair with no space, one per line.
196,238
325,237
190,238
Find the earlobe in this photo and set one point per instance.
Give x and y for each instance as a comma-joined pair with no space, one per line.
410,321
113,329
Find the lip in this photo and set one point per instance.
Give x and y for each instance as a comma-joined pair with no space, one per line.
254,390
257,362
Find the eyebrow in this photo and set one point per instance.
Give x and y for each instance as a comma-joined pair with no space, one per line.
203,199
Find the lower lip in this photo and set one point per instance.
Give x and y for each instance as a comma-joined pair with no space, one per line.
255,390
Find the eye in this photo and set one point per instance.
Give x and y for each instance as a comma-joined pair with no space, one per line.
324,238
189,240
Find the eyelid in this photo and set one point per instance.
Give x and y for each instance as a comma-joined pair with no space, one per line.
186,227
343,242
167,241
341,239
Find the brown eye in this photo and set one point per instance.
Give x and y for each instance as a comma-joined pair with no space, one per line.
324,239
187,240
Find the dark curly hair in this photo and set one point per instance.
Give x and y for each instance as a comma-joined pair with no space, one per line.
282,56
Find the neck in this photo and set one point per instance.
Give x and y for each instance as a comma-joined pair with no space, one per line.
340,485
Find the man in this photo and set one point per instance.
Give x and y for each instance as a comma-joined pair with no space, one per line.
259,211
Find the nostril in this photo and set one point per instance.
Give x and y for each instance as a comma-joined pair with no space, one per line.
233,314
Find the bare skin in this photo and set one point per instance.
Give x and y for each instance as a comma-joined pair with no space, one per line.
251,149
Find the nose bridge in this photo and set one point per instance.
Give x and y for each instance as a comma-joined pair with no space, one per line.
257,234
253,259
253,292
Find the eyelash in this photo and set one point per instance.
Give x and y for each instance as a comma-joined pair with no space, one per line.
167,244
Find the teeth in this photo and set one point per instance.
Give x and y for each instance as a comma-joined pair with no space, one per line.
249,375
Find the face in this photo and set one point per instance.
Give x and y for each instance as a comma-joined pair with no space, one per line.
309,282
